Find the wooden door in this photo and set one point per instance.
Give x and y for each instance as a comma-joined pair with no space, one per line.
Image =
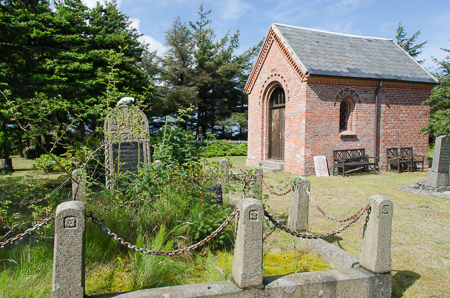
277,124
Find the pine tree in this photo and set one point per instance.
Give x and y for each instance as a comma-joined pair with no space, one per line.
202,70
59,64
407,43
177,73
439,100
116,56
219,74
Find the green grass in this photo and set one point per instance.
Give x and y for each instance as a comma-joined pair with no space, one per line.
420,243
23,167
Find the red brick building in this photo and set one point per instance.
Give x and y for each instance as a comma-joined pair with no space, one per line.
311,92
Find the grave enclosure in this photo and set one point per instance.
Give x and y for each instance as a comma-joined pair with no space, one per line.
367,276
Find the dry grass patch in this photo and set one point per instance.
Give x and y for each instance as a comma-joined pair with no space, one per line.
420,235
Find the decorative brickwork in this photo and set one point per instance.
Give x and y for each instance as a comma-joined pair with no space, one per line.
270,39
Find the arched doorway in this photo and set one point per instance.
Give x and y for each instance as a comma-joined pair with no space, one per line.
277,105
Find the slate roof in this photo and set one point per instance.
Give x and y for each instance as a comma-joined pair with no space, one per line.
333,54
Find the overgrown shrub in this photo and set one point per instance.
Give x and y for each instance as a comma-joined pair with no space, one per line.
224,148
178,146
49,163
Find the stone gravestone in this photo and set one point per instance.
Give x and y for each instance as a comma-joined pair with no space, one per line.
127,140
320,165
439,175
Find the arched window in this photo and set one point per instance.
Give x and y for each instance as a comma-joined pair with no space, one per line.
346,115
277,99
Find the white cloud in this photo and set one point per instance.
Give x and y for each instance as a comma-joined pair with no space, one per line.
153,44
233,9
345,6
347,28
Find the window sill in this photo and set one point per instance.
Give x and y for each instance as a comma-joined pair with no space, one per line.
347,134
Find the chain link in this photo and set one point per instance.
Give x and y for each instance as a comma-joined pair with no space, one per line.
156,252
35,201
311,236
27,232
271,191
328,216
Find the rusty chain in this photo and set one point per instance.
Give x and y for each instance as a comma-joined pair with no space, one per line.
27,232
328,216
311,236
271,191
35,201
264,182
161,253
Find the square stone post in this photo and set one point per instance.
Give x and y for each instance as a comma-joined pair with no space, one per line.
255,185
299,205
247,268
78,185
68,256
376,244
224,174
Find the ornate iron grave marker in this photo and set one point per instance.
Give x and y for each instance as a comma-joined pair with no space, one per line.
127,140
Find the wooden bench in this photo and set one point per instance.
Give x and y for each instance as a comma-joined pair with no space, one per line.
396,160
413,159
351,159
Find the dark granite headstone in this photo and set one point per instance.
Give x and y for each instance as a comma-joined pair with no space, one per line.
441,156
127,156
127,140
439,175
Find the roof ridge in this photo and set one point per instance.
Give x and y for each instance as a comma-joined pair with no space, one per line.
335,33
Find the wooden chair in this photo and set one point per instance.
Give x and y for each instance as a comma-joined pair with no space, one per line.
395,159
413,159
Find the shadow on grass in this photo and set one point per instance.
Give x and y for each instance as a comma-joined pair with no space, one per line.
333,239
402,281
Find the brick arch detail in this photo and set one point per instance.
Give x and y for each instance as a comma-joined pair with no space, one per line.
347,93
270,84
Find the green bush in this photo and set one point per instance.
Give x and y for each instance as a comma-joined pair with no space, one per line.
49,163
177,146
224,148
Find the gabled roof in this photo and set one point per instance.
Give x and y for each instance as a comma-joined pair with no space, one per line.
317,52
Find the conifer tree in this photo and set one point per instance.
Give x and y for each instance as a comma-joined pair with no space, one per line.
177,72
439,100
408,43
203,70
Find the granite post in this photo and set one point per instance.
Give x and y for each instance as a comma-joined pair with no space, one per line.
224,174
376,244
299,205
439,174
247,271
255,185
78,185
68,256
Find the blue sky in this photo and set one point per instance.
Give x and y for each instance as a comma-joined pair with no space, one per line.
377,18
